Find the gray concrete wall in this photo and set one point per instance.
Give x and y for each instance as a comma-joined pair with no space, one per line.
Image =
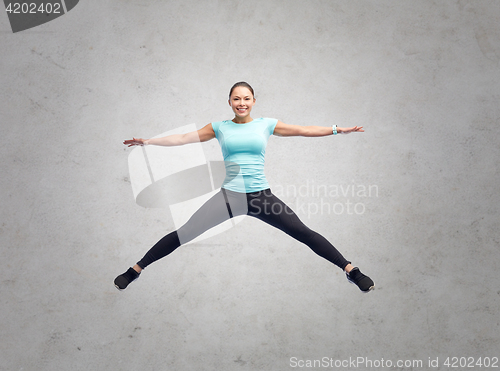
422,77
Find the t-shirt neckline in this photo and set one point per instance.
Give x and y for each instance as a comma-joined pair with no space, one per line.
242,123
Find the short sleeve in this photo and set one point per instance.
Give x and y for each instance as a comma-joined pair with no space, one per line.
215,127
271,124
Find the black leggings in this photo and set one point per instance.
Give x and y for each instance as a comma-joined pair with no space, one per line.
262,205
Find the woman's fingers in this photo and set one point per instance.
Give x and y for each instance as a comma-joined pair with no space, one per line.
353,129
356,128
133,142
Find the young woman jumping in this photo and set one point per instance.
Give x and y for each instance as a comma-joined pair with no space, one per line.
245,190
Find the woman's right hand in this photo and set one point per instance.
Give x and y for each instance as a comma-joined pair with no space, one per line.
135,142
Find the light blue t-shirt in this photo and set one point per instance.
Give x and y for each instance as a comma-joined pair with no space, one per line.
243,148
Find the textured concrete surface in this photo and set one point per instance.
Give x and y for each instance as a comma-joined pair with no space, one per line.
422,77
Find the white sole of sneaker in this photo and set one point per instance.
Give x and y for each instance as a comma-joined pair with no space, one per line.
370,289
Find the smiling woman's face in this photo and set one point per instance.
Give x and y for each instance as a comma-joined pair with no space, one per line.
241,101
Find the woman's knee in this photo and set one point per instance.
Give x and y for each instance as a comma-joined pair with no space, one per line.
301,232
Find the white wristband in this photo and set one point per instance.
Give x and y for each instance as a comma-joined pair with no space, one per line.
334,129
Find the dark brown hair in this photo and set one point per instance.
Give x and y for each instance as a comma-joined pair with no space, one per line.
241,83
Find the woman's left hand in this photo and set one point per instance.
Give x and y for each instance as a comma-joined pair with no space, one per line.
350,130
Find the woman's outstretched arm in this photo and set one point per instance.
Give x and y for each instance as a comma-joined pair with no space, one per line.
285,130
202,135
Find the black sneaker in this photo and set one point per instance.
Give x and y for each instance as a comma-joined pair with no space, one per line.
123,280
364,283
